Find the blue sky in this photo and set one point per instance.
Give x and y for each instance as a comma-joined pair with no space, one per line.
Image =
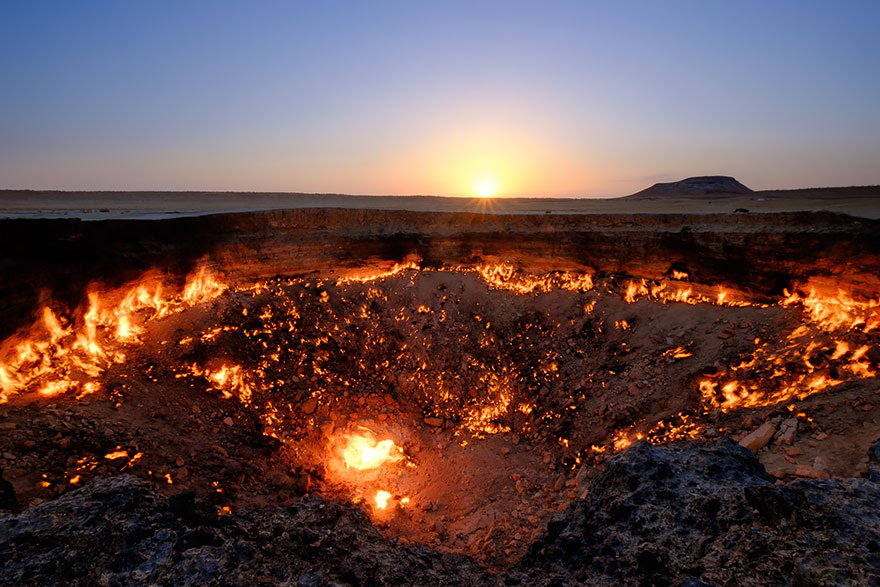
543,98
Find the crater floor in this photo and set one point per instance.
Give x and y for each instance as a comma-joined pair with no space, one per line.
503,392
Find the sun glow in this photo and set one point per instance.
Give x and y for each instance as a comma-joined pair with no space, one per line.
485,187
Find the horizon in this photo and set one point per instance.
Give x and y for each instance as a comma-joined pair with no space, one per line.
566,100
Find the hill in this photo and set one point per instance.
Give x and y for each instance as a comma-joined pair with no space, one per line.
714,185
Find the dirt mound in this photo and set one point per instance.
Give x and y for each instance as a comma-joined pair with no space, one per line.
693,514
709,185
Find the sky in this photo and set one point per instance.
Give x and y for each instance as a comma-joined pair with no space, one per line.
539,98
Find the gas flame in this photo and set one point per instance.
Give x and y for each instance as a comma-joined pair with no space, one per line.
505,276
53,358
362,452
382,498
840,312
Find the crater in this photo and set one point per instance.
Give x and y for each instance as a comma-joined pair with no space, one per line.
460,379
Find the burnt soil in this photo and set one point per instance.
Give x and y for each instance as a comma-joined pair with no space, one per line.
509,407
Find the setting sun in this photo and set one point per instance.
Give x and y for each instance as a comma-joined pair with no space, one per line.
485,187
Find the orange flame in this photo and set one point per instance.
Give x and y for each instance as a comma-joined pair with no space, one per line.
382,498
362,452
52,359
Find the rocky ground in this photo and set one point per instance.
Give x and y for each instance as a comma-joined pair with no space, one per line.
505,403
509,362
686,514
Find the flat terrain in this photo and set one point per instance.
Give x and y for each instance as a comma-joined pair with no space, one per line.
856,201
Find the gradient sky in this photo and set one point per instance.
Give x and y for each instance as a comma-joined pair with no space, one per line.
545,98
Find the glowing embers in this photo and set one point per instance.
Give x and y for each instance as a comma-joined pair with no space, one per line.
63,355
838,312
230,380
363,452
505,276
803,364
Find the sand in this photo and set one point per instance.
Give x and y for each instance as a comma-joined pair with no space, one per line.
862,202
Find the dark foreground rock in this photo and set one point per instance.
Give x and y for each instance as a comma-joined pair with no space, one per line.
709,515
685,515
8,501
120,532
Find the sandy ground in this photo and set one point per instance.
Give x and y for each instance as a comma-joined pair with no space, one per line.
862,202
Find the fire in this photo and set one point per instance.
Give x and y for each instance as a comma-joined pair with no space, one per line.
839,312
624,438
229,380
52,358
362,452
381,499
366,277
116,454
768,375
505,276
203,287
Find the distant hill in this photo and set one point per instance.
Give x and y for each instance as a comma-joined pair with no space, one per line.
708,185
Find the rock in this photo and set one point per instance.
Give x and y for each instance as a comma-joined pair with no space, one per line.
434,421
810,472
706,515
690,514
559,483
228,421
120,532
583,477
787,430
8,500
821,464
309,406
758,438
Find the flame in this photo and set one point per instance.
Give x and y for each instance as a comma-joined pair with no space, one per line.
116,454
381,499
229,380
203,287
53,359
839,312
368,276
362,452
770,375
622,439
505,276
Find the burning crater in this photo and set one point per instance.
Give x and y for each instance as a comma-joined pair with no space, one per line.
461,405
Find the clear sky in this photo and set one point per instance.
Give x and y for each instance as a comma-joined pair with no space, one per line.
538,98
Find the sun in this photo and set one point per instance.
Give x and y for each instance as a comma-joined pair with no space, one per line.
485,187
